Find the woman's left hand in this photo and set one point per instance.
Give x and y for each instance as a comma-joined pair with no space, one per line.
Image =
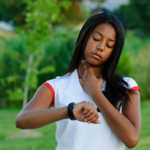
89,82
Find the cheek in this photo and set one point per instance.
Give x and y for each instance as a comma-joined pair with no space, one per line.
89,46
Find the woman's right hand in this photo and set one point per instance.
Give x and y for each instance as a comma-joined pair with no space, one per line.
83,112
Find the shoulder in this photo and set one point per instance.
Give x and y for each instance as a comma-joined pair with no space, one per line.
57,82
58,79
60,83
132,84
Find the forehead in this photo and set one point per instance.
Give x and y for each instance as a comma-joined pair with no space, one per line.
106,30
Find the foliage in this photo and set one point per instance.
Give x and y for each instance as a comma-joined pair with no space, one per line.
14,61
141,71
11,74
40,18
51,46
58,52
55,55
138,51
12,10
124,66
137,14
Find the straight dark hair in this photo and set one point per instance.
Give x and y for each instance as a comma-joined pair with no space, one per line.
116,88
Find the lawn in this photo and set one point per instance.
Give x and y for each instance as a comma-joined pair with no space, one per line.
47,141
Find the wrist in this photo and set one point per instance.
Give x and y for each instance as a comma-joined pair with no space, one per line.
96,94
70,111
74,106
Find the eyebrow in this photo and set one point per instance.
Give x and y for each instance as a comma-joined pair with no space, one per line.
102,36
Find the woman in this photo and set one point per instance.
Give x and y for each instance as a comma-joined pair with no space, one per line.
77,100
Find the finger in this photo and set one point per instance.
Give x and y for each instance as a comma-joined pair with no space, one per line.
92,120
86,107
89,68
97,122
87,64
86,110
100,76
84,67
89,115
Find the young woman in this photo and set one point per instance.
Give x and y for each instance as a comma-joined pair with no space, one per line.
93,107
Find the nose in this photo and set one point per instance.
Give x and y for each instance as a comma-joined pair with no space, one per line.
101,46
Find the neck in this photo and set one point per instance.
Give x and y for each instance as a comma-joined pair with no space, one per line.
97,70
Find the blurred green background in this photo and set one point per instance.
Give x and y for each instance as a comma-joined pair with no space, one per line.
37,41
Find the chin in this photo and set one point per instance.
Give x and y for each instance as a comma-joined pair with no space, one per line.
94,63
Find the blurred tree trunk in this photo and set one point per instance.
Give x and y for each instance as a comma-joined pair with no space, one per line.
26,89
40,18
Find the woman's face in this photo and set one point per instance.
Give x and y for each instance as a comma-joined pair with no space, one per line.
100,44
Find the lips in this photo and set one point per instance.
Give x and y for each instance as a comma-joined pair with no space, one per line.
96,55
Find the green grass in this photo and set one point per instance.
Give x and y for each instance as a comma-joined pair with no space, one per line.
47,141
7,128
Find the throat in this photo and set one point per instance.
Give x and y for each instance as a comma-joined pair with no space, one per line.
97,71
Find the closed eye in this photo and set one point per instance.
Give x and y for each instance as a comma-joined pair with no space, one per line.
109,46
96,39
99,40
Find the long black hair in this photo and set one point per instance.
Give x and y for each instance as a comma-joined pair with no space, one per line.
116,87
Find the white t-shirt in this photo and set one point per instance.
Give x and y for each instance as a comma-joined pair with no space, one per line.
76,135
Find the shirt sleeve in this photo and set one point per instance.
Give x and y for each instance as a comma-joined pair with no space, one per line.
132,84
51,85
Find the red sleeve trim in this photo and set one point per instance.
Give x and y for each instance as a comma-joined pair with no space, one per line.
135,88
52,92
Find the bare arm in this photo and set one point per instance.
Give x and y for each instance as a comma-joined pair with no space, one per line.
35,114
127,125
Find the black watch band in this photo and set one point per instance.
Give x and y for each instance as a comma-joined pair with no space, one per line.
70,113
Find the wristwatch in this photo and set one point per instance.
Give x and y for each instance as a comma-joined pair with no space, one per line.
70,113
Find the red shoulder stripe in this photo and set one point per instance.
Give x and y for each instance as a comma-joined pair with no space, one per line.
52,92
135,88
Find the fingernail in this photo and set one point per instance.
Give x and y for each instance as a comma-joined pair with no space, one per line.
82,61
85,119
82,117
89,122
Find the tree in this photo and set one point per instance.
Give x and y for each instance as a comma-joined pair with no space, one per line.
137,14
75,11
12,10
41,18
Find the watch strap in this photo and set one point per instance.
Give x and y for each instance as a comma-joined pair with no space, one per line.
70,113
